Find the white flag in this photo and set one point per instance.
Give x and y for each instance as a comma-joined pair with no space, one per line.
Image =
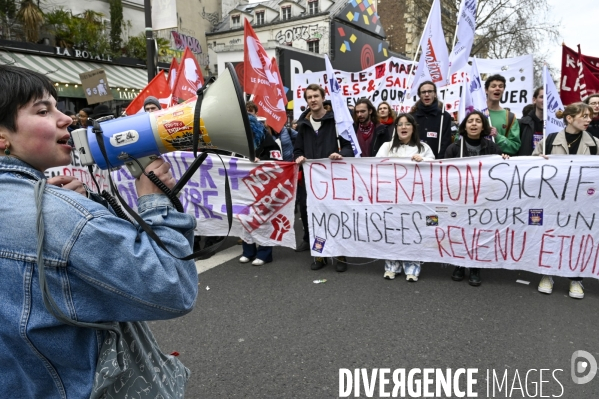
343,119
466,103
458,58
434,62
551,104
477,89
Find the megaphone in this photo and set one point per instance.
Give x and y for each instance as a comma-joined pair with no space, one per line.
147,135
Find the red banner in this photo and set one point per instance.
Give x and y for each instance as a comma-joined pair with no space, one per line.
172,73
580,76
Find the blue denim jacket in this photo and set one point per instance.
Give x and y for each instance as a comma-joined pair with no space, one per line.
99,268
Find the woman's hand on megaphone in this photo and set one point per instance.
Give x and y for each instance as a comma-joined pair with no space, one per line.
161,169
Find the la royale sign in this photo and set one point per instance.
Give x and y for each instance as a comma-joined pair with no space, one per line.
74,53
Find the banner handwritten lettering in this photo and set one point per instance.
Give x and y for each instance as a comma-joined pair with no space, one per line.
526,213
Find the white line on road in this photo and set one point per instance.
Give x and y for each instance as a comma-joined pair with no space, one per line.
218,259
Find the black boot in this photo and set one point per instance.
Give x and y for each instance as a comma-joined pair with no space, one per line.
474,279
458,273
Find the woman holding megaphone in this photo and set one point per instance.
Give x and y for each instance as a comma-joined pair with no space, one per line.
96,268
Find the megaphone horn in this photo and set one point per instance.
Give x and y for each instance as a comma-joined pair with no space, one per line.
147,135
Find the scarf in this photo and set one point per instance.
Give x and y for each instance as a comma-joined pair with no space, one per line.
365,135
388,121
433,108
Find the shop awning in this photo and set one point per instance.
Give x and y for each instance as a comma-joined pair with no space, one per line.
62,70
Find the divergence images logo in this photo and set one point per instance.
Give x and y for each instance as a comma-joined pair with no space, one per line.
580,366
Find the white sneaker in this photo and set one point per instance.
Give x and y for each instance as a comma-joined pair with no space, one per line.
258,262
546,285
244,259
389,275
411,277
576,290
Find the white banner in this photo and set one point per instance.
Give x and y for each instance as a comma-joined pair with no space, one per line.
387,80
80,172
164,14
525,213
263,196
551,104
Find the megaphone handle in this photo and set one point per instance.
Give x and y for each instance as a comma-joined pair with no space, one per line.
136,167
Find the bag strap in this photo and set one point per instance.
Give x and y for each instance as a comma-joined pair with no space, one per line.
509,118
549,143
49,302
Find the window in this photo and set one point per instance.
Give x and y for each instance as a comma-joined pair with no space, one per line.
286,11
235,19
313,6
259,17
313,46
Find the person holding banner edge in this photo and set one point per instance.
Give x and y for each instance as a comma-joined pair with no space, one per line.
405,144
474,130
429,113
317,138
134,280
504,125
572,140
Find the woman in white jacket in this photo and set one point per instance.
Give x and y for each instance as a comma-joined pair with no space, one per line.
405,144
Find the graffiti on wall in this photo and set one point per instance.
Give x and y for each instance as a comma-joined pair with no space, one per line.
182,41
303,32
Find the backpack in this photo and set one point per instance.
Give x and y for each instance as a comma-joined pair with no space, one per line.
551,138
511,117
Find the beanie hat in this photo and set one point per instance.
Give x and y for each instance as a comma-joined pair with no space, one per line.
152,100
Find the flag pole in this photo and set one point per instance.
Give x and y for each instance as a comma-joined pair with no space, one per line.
544,106
455,36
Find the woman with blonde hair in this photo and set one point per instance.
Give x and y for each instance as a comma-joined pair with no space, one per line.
572,140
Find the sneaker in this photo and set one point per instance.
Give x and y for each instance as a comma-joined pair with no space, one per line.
341,264
458,273
258,262
411,277
389,275
319,263
546,285
576,290
244,259
304,246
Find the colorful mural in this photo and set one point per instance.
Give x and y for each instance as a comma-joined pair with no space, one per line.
362,13
355,50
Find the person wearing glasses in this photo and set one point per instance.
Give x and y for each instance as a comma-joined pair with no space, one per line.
429,114
84,115
406,144
593,101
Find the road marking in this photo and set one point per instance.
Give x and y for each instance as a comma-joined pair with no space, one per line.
218,259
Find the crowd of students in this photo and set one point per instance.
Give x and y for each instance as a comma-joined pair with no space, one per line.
427,133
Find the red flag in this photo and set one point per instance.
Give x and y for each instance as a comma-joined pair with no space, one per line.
281,88
263,80
577,81
189,78
172,73
158,88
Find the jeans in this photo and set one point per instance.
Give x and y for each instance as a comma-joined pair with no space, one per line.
409,266
258,252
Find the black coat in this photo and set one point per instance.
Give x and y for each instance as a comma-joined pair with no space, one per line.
312,146
429,120
594,128
487,148
381,135
527,130
263,152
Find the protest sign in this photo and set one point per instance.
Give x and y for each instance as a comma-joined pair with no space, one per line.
263,196
527,213
95,85
81,172
388,80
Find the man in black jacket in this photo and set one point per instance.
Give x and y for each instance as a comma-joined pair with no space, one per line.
317,138
531,125
370,133
428,112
